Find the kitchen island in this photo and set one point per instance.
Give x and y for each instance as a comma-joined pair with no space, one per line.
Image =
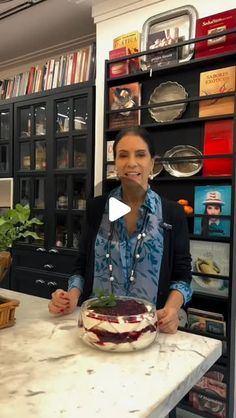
47,371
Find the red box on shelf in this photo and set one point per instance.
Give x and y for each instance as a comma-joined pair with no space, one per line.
215,24
218,139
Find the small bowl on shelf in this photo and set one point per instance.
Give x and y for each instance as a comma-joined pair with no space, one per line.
130,325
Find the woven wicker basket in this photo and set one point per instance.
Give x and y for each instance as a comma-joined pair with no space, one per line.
7,311
5,263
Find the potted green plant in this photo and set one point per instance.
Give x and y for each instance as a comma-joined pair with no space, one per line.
14,224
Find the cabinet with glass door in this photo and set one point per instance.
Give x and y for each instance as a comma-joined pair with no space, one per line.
6,140
54,175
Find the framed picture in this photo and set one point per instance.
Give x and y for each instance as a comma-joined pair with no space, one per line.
213,205
166,29
210,258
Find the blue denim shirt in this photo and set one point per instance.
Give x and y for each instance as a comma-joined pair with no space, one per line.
148,266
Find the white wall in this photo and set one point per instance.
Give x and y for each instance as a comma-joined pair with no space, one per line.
116,17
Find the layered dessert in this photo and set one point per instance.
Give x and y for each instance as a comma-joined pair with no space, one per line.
131,324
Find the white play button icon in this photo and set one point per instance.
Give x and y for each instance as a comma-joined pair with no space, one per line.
117,209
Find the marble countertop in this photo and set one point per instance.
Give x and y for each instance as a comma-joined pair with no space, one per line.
46,371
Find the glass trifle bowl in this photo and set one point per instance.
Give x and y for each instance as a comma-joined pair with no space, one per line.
129,325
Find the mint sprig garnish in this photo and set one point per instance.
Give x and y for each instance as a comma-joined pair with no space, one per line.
105,300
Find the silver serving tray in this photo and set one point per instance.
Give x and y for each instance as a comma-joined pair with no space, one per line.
166,92
180,22
158,166
186,167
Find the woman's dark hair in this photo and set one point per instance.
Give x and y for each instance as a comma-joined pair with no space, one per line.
137,131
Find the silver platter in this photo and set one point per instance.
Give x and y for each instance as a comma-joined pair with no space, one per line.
158,166
176,25
185,168
166,92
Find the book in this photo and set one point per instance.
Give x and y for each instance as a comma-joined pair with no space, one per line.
221,80
212,383
73,67
78,66
69,70
131,41
119,68
210,258
218,139
216,24
110,156
205,314
30,80
213,205
126,97
55,74
208,405
161,39
90,62
205,324
210,286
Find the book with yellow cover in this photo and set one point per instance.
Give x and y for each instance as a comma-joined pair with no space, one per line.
221,80
130,40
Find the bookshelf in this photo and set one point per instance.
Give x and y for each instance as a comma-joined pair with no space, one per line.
68,69
187,130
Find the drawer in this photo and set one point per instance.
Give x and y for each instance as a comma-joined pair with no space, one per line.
35,283
44,260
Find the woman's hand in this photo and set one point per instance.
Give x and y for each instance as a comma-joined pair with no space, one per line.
63,302
168,319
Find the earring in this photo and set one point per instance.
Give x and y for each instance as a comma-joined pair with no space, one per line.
151,175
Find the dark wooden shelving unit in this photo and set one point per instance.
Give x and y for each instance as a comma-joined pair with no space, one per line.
188,130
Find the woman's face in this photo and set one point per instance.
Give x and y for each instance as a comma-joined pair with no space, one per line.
133,160
213,209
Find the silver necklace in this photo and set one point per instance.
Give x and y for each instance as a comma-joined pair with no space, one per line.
137,250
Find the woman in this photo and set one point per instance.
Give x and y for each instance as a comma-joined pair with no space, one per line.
143,254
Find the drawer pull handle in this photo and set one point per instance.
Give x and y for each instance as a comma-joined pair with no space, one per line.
52,284
48,266
53,251
41,250
40,281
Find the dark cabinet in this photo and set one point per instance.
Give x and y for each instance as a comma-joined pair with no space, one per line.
172,181
37,283
53,173
6,139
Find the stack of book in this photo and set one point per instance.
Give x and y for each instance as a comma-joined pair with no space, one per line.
206,322
204,394
68,69
124,45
